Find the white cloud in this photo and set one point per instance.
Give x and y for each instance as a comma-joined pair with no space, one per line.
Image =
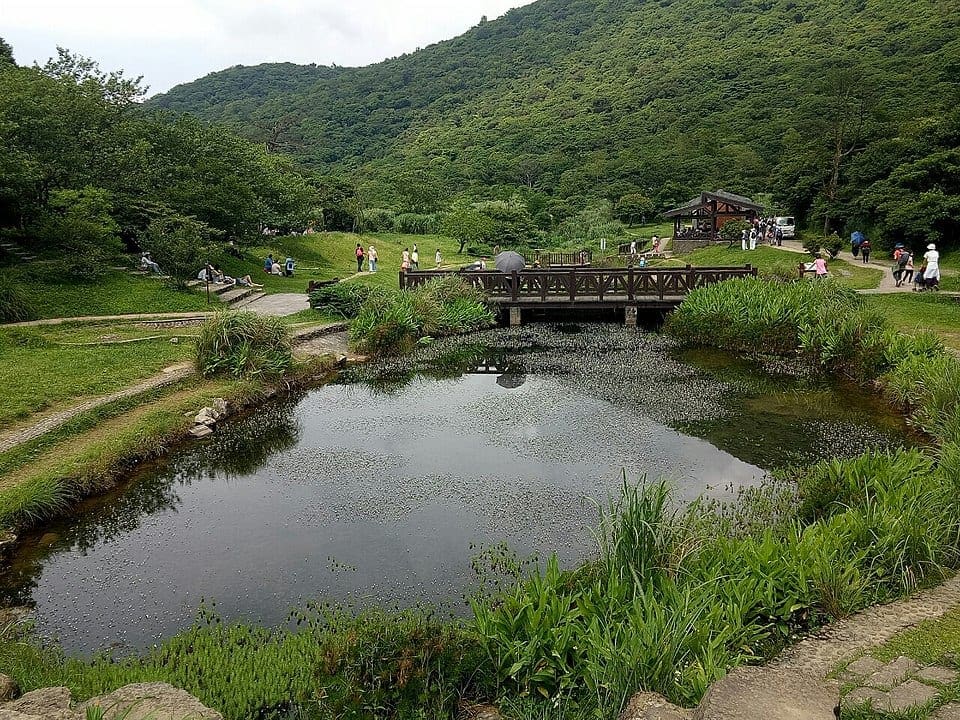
176,41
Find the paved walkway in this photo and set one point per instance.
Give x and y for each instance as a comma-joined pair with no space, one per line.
279,304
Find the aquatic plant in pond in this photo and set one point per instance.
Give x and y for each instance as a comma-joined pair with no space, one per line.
394,322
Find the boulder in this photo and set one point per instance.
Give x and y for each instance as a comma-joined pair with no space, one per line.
48,703
9,690
765,693
219,406
201,431
651,706
151,701
206,416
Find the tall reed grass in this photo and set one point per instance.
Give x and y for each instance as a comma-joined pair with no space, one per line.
243,345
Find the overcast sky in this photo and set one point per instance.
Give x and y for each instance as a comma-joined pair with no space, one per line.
175,41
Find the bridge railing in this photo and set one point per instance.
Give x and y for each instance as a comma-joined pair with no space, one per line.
570,285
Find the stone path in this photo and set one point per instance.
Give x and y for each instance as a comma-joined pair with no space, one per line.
899,686
279,304
318,339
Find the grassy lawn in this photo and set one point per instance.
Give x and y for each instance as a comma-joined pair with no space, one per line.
325,256
921,311
768,259
40,370
116,293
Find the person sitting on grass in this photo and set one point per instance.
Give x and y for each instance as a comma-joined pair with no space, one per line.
268,264
276,269
246,281
147,263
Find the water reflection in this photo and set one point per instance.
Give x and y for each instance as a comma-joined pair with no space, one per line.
379,489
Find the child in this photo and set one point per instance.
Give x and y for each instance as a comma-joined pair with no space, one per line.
438,258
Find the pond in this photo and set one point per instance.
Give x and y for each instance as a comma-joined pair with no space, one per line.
383,487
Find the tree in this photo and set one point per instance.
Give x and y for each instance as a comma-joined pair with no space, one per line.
634,209
6,53
180,245
467,225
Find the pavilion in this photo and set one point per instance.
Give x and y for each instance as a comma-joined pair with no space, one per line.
711,211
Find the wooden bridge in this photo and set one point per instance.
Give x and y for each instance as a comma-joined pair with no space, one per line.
626,289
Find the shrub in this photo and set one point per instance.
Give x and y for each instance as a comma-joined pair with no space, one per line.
15,305
733,231
344,299
378,220
242,345
415,224
392,323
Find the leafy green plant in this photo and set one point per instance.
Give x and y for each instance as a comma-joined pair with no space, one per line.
344,299
15,304
243,344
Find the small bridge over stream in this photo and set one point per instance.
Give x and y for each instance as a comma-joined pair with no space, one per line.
580,288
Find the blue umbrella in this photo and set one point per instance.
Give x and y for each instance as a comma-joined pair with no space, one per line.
857,237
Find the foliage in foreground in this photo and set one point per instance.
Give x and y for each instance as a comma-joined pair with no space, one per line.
243,345
15,306
343,299
394,322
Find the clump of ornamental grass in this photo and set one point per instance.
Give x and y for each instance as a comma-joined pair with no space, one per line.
243,345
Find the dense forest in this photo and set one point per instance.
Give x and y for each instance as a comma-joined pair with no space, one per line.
87,172
844,110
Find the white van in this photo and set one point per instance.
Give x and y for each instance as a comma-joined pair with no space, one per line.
786,224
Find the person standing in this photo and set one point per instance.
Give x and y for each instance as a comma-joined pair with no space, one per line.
779,235
405,259
438,257
865,251
372,258
415,258
359,257
900,259
633,248
753,239
656,244
931,276
288,267
744,238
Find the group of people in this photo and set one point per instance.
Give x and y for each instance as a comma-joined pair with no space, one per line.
927,277
860,245
272,267
761,230
641,257
410,259
212,274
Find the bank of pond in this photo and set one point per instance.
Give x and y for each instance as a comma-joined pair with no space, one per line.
585,510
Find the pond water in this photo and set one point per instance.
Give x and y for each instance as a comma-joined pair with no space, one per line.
383,487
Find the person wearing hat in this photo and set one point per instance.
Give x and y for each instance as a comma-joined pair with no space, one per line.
931,276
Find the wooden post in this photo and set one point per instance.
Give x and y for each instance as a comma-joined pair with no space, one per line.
691,278
630,316
403,280
514,316
573,285
631,287
516,293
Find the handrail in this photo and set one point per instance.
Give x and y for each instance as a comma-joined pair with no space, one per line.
615,285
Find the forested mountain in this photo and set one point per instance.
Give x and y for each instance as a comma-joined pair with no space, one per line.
567,100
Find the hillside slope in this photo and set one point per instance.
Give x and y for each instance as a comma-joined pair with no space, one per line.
599,97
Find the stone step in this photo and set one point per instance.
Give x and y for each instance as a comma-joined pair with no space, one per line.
235,295
249,300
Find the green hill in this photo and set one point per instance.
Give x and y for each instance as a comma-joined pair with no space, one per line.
578,99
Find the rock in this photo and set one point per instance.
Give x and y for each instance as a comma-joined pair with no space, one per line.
757,693
174,341
950,711
48,703
219,406
152,701
206,416
480,712
937,674
9,690
894,672
866,665
651,706
860,697
201,431
904,698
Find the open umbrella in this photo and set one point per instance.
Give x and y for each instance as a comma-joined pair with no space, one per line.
511,380
509,261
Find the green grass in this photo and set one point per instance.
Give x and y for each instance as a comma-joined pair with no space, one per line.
39,372
768,259
325,256
116,293
912,312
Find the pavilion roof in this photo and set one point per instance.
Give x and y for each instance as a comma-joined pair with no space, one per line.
691,208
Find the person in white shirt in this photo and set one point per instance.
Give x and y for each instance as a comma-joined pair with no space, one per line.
931,275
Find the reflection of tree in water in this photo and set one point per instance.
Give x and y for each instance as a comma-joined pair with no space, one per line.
243,446
238,447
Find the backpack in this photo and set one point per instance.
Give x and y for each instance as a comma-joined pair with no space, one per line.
903,259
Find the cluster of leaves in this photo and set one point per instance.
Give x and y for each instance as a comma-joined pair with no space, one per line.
395,322
566,101
343,299
242,345
86,169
